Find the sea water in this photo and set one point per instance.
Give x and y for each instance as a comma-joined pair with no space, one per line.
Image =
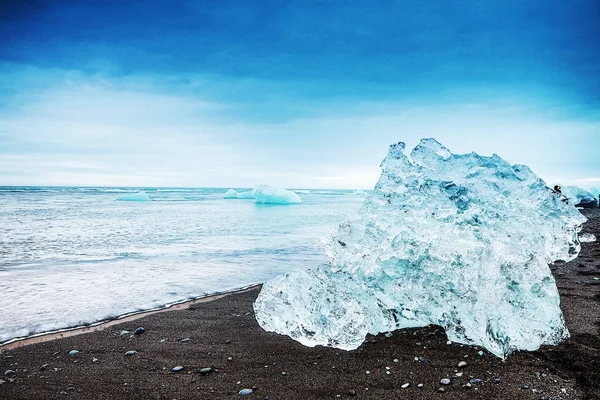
74,256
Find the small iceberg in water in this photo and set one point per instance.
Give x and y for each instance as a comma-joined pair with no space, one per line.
231,194
264,194
140,196
269,195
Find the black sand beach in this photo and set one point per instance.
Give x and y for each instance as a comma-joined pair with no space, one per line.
223,335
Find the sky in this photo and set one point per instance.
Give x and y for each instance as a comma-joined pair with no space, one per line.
297,94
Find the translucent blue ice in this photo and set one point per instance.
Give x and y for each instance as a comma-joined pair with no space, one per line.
140,196
577,195
231,194
269,195
460,241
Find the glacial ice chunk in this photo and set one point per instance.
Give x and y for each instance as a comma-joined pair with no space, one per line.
247,195
579,197
587,238
460,241
231,194
140,196
269,195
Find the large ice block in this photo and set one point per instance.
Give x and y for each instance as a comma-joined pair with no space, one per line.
460,241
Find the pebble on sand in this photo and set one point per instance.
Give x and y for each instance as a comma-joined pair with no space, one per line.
131,353
405,385
245,392
462,364
73,352
445,381
177,368
139,331
205,371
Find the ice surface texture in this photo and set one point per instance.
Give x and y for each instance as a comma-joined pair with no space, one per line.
138,196
461,241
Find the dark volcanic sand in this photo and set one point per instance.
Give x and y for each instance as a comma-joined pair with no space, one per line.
568,371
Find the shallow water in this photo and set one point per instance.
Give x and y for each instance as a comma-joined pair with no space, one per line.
72,256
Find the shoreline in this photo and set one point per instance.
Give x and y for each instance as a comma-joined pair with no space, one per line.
103,324
214,349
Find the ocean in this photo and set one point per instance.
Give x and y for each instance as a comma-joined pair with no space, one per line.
71,256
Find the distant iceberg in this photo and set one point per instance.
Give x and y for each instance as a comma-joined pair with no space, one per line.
359,192
459,241
247,195
269,195
579,197
231,194
140,196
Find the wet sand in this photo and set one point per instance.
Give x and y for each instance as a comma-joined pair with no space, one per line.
223,335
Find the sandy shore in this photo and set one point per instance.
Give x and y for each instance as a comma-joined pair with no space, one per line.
223,335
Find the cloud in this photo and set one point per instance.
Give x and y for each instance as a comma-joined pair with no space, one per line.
65,127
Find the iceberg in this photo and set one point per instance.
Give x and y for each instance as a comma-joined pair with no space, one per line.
231,194
269,195
580,197
140,196
247,195
460,241
360,192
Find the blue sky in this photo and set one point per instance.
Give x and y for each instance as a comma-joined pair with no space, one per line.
296,93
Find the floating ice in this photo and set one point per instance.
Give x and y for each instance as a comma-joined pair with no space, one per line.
140,196
579,197
247,195
360,192
587,238
461,241
269,195
231,194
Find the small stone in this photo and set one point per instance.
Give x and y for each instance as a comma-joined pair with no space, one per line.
228,341
187,339
458,374
388,335
131,353
73,352
480,353
177,368
396,360
352,393
231,358
445,381
124,333
284,373
405,385
205,371
139,331
448,342
420,385
245,392
387,372
367,372
441,390
10,372
462,364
